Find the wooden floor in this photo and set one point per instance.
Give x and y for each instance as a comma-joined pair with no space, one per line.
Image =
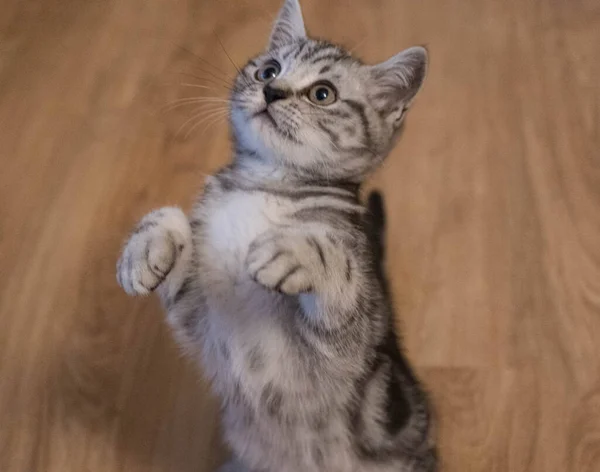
493,199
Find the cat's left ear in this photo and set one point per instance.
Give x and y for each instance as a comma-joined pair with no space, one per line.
289,25
396,82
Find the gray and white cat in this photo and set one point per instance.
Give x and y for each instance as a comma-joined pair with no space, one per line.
275,282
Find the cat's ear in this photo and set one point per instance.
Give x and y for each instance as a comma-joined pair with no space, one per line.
289,25
397,81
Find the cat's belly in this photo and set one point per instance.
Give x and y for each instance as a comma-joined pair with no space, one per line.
275,446
274,412
245,336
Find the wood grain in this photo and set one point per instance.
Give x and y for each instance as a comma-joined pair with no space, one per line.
493,199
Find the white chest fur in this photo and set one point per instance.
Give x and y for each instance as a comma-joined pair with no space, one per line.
233,220
231,223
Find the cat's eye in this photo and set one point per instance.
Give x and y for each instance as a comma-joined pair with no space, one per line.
322,94
268,71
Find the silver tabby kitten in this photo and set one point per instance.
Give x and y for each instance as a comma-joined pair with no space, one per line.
275,283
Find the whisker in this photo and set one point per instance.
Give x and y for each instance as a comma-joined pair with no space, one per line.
187,84
227,54
203,105
231,60
197,56
204,119
199,99
195,116
214,82
214,77
203,98
212,123
225,80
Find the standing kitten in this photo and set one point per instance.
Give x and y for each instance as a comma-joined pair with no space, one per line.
274,281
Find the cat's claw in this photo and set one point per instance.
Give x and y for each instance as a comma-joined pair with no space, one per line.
152,250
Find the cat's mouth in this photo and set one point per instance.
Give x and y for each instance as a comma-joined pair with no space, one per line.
265,116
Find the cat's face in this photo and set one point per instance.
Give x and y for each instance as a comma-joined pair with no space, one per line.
309,105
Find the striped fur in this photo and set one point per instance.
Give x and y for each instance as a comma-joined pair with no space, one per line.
275,282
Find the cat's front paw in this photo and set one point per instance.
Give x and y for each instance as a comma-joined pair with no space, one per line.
275,262
152,250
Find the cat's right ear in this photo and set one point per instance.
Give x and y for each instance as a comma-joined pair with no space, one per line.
289,25
397,81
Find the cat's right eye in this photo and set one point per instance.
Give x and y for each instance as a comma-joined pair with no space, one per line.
268,71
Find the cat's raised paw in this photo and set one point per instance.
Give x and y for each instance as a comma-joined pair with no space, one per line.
152,250
273,261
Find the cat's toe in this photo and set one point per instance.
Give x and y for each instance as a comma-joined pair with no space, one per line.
277,269
161,256
294,282
274,263
153,250
146,261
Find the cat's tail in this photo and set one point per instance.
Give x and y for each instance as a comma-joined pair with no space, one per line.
418,436
377,224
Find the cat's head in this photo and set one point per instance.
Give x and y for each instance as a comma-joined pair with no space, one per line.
309,105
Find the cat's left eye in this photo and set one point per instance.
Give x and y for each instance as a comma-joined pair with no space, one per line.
268,71
322,94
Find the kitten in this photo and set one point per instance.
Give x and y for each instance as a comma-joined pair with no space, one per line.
275,281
